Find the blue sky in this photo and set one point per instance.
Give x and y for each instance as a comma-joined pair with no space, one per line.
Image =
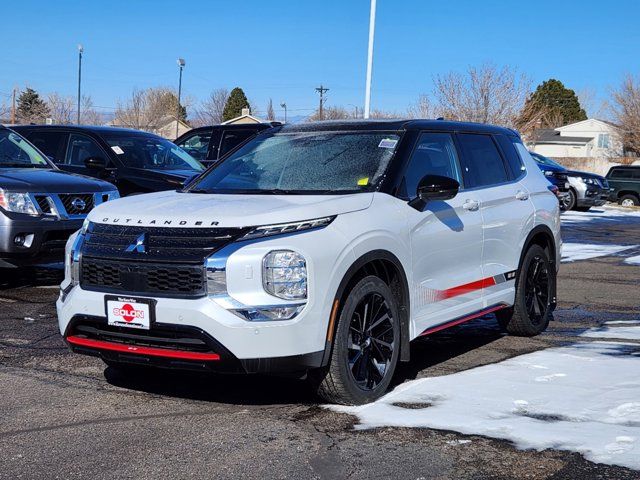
284,49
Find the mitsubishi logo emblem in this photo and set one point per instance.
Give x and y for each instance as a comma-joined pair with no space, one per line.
140,245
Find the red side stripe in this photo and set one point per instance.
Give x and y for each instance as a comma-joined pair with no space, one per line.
150,351
453,323
466,288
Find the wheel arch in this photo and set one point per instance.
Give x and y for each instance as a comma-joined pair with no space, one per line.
543,236
622,193
388,267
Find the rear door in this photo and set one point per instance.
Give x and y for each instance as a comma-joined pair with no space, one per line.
445,236
196,144
505,208
80,147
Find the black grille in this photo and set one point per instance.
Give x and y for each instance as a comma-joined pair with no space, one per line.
77,203
170,245
143,278
43,203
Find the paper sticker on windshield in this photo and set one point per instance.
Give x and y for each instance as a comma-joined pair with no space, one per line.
388,143
117,149
363,182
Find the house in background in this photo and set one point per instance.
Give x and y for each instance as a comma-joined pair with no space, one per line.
245,117
591,138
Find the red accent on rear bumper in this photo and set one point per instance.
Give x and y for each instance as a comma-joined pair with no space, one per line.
150,351
453,323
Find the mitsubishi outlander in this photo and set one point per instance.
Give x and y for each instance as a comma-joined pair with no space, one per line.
321,249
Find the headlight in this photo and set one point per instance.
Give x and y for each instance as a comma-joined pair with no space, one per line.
268,230
548,173
17,202
284,275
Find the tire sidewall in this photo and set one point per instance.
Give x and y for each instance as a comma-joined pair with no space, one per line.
532,252
367,285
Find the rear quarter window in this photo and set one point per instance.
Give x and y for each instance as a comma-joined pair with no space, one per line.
514,162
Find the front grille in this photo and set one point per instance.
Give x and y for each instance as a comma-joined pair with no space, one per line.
159,279
77,203
43,203
170,245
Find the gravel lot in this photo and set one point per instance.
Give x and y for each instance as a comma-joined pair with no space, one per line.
67,416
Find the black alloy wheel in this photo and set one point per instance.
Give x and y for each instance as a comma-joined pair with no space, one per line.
537,292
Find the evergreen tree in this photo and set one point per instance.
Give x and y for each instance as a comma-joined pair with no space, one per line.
235,103
31,108
559,104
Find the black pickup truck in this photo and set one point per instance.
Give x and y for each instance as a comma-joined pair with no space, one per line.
625,185
40,205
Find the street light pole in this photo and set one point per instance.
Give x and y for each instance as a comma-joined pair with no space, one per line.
181,64
284,105
80,51
372,26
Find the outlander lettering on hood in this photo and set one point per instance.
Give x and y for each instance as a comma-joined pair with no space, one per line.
154,221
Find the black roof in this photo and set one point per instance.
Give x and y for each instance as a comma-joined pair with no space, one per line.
98,129
395,125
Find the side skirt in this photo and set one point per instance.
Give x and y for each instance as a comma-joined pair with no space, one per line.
466,318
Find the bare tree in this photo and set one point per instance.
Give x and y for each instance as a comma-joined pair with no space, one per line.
330,113
210,111
376,113
271,116
625,110
484,94
423,108
88,114
148,109
61,109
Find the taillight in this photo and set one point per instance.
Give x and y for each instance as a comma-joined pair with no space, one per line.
555,190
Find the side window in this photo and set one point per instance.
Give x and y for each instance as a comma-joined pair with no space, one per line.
434,154
621,173
232,138
482,164
196,145
80,148
514,162
49,143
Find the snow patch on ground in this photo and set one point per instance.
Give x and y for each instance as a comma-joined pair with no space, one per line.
633,260
588,402
624,333
605,214
572,252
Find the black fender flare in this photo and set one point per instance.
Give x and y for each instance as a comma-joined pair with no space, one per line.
546,231
403,308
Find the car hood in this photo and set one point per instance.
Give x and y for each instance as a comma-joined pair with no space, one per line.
175,209
550,168
43,180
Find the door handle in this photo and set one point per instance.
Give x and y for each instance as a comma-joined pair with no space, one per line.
471,205
522,195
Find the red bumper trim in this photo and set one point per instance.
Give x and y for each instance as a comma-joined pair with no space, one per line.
458,321
149,351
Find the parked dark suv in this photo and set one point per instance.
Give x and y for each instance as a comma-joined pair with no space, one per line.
40,205
134,161
625,185
209,144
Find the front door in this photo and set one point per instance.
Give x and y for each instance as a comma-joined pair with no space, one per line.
81,147
446,239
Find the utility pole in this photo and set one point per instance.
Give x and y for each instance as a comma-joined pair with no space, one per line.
284,105
13,105
80,50
372,27
181,64
321,90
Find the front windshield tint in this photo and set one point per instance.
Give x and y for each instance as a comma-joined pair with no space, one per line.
15,151
546,161
303,162
151,153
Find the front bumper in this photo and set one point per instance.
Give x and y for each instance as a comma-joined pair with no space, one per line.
183,327
593,197
45,241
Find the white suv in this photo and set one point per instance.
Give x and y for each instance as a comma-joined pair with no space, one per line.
322,249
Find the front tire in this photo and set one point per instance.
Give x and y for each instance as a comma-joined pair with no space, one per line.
532,309
366,346
629,201
571,201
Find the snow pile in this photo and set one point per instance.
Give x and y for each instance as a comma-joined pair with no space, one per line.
625,333
604,214
583,398
633,260
584,251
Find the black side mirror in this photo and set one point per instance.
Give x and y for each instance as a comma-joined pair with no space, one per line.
95,163
434,187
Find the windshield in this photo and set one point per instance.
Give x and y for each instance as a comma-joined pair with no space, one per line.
303,162
15,151
546,161
150,153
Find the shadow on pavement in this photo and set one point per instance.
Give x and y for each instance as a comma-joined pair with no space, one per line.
29,277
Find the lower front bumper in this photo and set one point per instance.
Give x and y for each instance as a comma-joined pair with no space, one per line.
173,347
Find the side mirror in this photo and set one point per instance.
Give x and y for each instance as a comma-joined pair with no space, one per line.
434,187
95,163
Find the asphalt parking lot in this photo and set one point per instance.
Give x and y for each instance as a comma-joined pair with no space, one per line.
68,416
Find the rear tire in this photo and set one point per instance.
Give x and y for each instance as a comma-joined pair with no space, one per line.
571,201
532,309
629,201
366,346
